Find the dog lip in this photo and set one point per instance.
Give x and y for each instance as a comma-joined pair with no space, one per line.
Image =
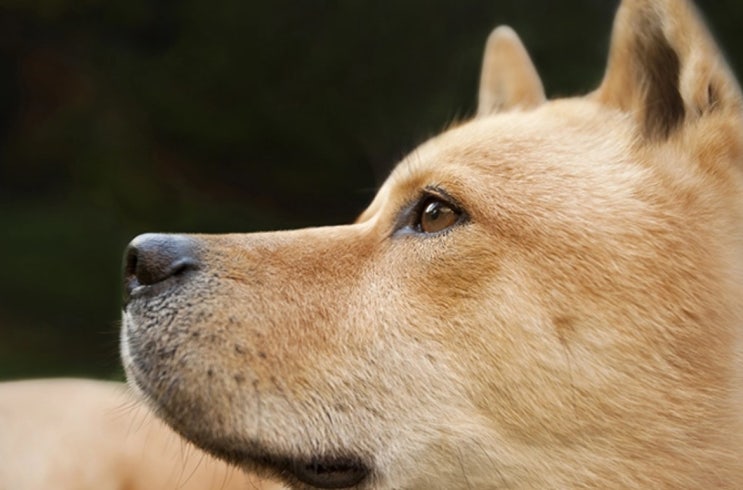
329,472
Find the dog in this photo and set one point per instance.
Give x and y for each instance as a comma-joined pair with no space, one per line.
549,295
75,434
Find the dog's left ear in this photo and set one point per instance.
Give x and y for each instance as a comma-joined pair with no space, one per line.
664,67
508,79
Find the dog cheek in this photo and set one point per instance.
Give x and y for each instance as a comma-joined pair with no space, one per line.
477,316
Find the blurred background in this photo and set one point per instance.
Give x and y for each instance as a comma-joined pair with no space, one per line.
124,116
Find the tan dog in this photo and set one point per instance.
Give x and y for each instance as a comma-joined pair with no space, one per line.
68,434
548,296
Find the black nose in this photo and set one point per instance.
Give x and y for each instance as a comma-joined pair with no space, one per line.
153,257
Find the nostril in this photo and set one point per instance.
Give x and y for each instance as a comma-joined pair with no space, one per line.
152,258
130,262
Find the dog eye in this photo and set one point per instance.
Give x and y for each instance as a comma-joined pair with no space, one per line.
436,215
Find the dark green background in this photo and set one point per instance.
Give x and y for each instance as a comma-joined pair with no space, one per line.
124,116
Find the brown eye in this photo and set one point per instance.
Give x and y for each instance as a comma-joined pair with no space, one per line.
437,215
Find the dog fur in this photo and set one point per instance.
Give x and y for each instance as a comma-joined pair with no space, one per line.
573,322
73,434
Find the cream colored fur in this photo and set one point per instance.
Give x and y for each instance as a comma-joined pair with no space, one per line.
70,434
578,327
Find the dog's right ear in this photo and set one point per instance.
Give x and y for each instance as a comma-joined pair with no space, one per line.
665,69
508,79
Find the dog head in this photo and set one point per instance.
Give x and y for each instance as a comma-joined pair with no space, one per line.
544,296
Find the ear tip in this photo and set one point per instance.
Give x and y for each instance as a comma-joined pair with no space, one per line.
508,78
503,33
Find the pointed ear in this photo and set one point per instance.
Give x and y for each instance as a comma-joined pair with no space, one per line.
665,68
508,79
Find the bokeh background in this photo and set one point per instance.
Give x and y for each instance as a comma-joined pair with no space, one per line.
124,116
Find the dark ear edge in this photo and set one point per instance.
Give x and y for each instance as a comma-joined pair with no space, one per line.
660,66
644,71
664,68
